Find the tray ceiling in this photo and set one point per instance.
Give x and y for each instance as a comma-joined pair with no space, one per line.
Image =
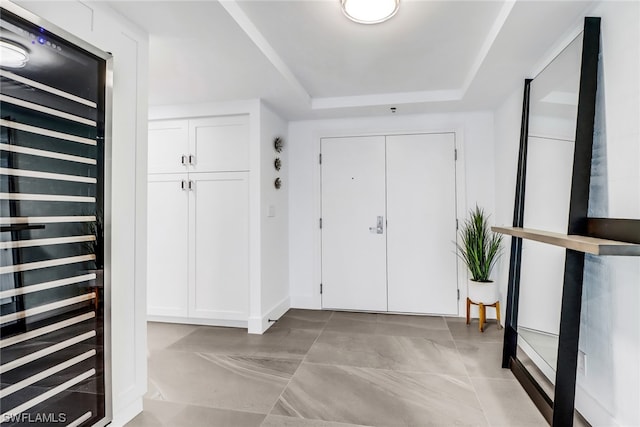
307,60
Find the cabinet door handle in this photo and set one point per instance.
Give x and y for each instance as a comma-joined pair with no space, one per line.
184,160
190,185
192,159
183,184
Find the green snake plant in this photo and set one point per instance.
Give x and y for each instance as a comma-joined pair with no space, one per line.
480,247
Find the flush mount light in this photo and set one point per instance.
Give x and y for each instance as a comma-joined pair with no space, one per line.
369,11
12,55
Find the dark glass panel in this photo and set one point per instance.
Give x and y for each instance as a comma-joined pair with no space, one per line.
67,69
36,299
30,117
40,387
28,93
44,253
34,277
47,362
29,185
63,414
27,347
42,208
64,229
44,164
46,143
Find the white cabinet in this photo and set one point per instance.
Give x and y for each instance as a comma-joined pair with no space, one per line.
219,250
211,144
219,144
168,232
168,146
198,265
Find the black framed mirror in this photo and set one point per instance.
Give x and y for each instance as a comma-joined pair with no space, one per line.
552,194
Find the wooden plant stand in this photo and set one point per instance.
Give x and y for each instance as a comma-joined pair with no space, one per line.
482,308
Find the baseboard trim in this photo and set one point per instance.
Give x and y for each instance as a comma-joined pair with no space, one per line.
258,325
204,322
126,414
308,302
592,410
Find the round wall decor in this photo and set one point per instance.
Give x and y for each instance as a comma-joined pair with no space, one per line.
278,144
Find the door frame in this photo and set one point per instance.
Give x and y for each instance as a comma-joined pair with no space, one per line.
461,203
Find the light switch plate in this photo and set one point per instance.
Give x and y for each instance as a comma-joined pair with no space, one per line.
582,363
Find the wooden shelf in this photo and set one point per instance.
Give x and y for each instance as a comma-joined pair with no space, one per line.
590,245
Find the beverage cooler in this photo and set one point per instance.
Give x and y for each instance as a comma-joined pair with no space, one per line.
54,263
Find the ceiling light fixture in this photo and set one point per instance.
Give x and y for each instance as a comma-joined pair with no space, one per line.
12,55
369,11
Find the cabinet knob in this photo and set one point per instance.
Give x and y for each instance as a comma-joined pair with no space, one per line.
184,160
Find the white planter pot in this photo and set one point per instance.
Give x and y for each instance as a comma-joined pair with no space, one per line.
483,292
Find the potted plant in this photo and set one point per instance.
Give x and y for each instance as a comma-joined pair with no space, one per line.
480,248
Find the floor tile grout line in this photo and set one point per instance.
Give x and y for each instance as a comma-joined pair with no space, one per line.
473,386
402,371
192,405
297,368
484,411
166,347
389,335
442,341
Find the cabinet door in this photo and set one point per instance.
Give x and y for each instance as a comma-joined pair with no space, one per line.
219,144
219,247
168,146
168,230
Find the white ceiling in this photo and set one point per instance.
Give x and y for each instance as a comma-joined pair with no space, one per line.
307,60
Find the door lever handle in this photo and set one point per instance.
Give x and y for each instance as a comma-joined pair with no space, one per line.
379,228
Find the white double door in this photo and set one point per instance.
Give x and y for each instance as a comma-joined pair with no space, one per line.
389,223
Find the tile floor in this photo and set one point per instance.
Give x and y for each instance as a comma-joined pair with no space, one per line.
331,369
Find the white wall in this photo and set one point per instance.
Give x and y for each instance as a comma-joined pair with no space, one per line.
101,27
475,182
274,219
609,393
610,324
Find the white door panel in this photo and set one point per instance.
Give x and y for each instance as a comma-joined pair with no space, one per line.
219,285
421,209
353,196
168,143
168,227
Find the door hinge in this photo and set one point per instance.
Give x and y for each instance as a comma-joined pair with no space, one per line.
320,288
320,223
320,158
455,154
458,294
